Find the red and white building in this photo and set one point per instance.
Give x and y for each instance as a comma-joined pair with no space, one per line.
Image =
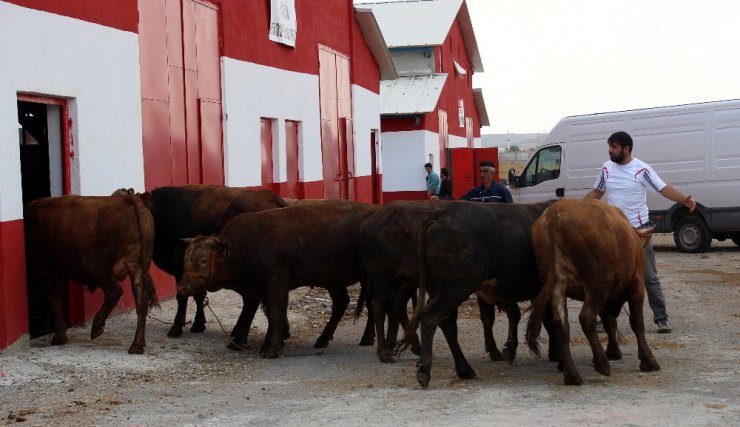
98,95
431,113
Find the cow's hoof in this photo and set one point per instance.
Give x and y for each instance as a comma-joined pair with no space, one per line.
136,349
385,357
270,354
496,355
603,369
175,331
613,353
649,364
572,379
236,347
509,355
198,327
367,340
96,331
423,378
322,342
467,374
59,339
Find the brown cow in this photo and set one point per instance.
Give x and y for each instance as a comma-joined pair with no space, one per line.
96,241
267,254
587,249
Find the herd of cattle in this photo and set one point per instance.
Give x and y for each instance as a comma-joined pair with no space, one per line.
262,247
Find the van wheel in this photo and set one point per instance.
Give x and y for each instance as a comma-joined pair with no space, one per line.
735,238
692,235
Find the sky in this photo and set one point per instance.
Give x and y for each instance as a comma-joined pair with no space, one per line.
547,59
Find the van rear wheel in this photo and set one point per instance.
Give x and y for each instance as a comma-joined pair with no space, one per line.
692,235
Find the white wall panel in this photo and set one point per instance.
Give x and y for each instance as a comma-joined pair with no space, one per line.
404,156
252,91
365,117
97,68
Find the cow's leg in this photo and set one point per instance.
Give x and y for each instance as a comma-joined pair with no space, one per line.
379,306
112,292
610,326
182,310
277,308
513,315
430,316
562,332
241,330
449,329
553,346
339,303
142,299
400,315
199,323
368,335
52,290
487,317
587,318
647,360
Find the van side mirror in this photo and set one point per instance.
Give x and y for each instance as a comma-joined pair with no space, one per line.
513,181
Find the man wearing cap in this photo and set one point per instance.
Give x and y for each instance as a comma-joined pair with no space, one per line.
489,190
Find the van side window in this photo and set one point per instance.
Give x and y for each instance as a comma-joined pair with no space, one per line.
544,166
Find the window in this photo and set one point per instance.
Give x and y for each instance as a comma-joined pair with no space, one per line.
545,166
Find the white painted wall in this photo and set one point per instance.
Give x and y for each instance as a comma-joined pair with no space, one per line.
365,118
252,91
404,155
455,141
97,67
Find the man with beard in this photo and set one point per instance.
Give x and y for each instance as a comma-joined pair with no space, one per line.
625,180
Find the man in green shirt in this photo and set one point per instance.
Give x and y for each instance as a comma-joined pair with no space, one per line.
432,181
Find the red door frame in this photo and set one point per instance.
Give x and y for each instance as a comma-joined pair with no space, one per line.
266,150
66,139
292,169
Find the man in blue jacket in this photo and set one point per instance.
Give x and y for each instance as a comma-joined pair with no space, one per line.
489,190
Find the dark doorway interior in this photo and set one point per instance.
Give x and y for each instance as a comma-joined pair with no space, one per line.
37,181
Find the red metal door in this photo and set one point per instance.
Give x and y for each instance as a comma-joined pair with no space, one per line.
490,154
337,143
293,189
266,152
462,171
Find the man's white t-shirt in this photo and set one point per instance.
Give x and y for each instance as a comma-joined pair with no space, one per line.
625,187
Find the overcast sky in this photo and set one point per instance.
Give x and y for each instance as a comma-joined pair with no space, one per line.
546,59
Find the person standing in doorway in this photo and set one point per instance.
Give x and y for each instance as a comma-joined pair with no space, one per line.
445,185
489,190
432,182
625,180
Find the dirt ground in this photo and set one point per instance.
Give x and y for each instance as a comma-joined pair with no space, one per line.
195,380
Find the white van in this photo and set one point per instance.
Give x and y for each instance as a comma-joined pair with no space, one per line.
695,147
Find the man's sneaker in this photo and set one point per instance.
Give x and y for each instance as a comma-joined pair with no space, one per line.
664,327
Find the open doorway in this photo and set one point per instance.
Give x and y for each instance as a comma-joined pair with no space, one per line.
42,147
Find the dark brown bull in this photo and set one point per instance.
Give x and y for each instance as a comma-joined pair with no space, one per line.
191,210
390,254
464,246
267,254
587,250
96,241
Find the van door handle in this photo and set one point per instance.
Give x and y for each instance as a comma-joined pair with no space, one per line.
560,192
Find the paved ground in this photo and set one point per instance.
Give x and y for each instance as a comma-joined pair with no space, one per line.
195,380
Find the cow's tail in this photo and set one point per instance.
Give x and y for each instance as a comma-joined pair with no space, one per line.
144,222
361,299
410,330
536,317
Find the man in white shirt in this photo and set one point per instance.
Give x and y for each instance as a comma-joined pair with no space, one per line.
624,179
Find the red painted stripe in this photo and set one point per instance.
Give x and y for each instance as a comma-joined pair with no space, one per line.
13,294
120,14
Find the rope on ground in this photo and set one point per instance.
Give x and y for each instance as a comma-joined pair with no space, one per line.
206,303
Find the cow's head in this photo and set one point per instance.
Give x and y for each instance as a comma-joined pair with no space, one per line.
205,264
